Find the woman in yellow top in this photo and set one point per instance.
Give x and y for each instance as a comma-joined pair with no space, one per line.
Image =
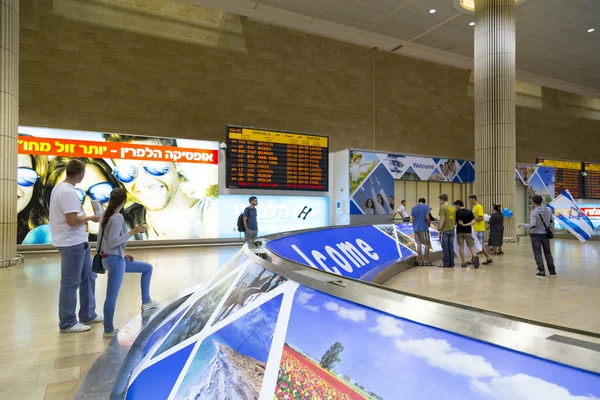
479,227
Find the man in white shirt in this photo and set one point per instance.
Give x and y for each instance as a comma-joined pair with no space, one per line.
68,224
402,211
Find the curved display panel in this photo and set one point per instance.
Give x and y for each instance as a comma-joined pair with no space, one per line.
253,332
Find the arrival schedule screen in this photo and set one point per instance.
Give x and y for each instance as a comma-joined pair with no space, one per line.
261,159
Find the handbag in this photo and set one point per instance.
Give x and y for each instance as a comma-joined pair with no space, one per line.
549,233
97,261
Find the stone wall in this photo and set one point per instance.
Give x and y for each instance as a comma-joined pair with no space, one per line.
166,68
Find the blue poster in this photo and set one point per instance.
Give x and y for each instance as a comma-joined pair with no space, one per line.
351,252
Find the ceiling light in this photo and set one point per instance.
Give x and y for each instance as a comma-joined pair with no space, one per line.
432,11
591,30
472,23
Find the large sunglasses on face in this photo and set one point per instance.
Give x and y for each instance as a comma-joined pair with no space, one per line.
26,177
128,173
99,191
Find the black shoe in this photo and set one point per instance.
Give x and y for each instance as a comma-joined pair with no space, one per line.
476,262
552,273
445,266
540,273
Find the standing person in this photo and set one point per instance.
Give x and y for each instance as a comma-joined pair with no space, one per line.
464,233
496,223
420,222
68,225
368,206
446,229
250,220
113,236
540,219
480,227
402,211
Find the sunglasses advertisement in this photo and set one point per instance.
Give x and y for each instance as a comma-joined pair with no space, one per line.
171,183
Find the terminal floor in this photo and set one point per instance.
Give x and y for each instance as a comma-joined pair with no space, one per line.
509,285
38,362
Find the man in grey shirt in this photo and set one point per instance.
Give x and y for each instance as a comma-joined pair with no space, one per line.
250,220
541,217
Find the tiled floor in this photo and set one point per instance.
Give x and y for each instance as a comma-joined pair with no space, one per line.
38,362
510,286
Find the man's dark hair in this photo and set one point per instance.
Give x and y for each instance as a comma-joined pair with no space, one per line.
537,200
75,167
403,201
251,198
473,197
113,137
422,200
459,203
443,197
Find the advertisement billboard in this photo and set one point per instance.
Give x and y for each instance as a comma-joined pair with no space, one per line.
171,183
275,214
271,338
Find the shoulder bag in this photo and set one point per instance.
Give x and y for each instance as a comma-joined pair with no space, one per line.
549,233
97,261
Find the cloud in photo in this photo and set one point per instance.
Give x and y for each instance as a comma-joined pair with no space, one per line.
524,387
388,327
314,309
438,353
304,297
356,315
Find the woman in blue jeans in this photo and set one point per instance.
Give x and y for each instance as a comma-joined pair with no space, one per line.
113,236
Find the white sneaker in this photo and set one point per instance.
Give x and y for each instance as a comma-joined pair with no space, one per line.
99,318
76,328
150,306
110,335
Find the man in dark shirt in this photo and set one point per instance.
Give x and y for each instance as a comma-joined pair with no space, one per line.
465,219
250,221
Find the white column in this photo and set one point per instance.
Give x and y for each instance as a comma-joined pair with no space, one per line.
9,121
495,156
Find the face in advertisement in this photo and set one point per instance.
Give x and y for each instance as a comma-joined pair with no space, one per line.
157,188
153,184
27,179
96,184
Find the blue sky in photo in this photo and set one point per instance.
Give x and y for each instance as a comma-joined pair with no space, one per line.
432,363
381,179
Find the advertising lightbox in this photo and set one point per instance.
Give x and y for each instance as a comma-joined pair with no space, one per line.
171,183
275,214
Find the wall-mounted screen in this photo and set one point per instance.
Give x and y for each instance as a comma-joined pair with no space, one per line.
567,175
592,181
171,183
260,159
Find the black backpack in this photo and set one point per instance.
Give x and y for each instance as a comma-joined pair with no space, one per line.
240,223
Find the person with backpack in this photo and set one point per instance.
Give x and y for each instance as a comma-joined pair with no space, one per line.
250,220
540,221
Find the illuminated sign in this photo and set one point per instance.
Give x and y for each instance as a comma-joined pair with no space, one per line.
276,160
591,211
275,214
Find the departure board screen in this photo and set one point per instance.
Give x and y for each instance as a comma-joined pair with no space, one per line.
261,159
567,175
592,181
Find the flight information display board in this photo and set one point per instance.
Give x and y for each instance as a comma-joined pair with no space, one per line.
567,175
261,159
592,181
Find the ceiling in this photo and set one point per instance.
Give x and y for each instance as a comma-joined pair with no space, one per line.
554,47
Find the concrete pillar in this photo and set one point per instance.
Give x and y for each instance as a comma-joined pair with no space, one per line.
9,121
495,156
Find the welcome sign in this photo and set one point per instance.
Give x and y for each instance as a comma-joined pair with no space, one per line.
354,252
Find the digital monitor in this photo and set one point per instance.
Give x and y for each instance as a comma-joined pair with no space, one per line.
261,159
567,175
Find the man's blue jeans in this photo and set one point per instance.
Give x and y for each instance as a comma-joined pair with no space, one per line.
76,272
448,248
116,267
